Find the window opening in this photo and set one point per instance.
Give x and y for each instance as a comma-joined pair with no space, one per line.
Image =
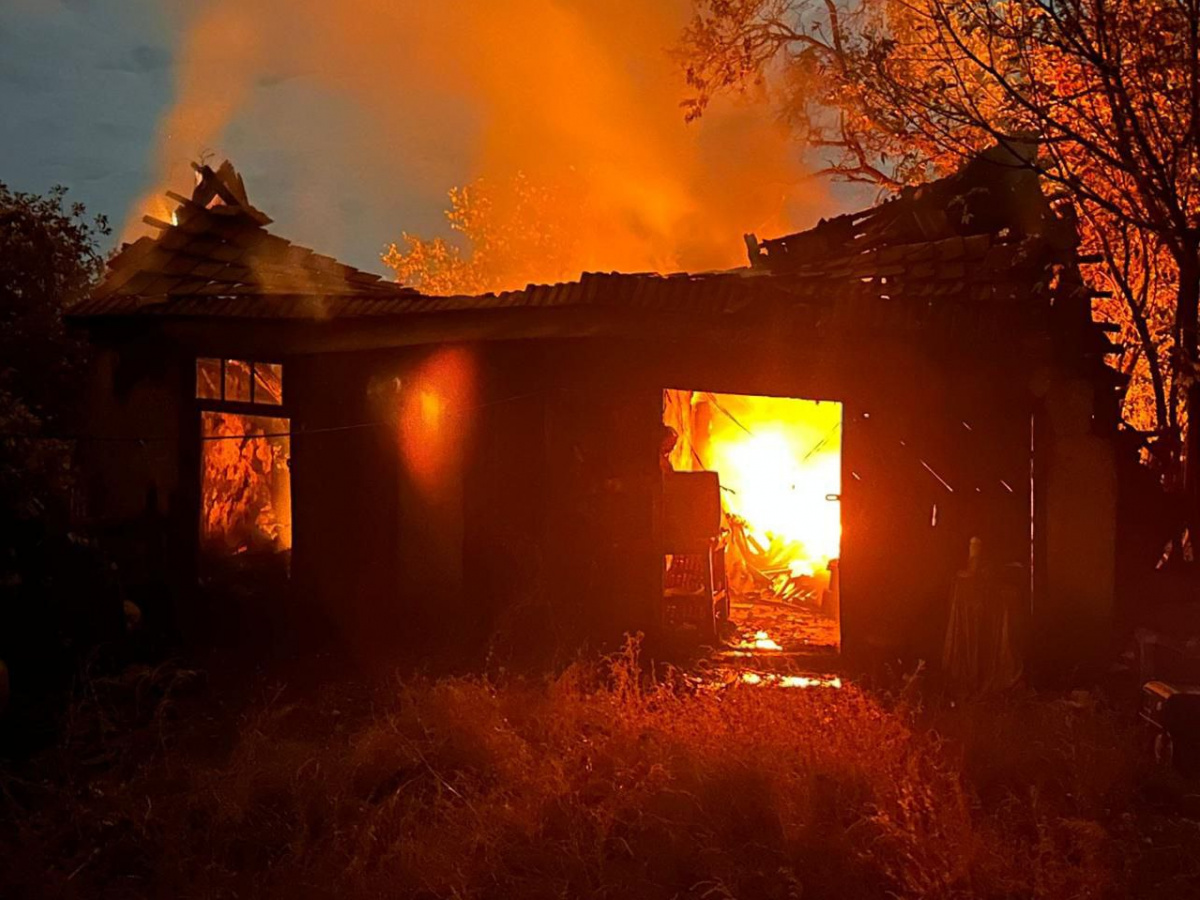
239,381
246,503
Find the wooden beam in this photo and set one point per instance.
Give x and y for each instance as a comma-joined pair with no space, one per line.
182,200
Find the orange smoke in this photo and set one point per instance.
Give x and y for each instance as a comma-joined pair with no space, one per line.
581,95
213,77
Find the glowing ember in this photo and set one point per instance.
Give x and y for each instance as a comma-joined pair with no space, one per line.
791,681
762,641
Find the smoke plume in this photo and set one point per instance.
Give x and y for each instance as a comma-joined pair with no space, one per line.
352,120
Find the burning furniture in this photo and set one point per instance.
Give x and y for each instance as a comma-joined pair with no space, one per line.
454,465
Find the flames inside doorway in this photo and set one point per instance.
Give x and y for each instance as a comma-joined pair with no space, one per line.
246,504
778,466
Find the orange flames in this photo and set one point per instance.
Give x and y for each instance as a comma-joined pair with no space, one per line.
246,487
779,463
790,681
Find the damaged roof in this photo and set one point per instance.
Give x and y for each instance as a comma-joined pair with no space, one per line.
995,199
985,238
217,245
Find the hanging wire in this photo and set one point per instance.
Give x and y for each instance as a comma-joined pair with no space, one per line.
712,398
140,439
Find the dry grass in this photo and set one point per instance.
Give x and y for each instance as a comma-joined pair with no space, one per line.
591,785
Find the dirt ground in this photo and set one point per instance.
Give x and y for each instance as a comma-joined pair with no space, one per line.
795,627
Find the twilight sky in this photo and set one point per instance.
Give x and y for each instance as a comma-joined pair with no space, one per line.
86,84
83,84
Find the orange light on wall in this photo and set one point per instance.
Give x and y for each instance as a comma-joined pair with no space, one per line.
435,405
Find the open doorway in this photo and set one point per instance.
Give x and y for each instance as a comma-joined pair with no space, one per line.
772,518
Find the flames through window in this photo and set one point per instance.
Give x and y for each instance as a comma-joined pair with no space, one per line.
245,491
777,463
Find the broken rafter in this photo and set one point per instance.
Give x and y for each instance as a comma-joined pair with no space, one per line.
182,200
212,184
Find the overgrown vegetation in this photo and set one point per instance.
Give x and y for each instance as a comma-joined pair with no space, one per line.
894,92
48,260
592,784
52,584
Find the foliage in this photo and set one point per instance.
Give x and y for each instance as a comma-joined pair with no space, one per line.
48,260
897,91
514,230
595,783
1137,282
55,595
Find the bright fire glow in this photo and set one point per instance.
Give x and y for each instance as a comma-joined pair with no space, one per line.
763,641
779,462
246,501
791,681
432,403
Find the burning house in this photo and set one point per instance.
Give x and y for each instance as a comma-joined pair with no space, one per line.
813,441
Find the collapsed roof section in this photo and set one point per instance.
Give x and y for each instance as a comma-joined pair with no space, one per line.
994,200
217,245
978,258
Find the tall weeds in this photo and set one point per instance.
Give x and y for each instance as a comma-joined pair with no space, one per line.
597,783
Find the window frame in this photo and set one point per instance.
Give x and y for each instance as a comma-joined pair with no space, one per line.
205,546
245,406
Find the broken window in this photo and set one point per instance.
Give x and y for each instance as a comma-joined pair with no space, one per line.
246,503
237,380
268,383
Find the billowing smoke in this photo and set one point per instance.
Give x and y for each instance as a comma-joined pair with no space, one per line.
359,116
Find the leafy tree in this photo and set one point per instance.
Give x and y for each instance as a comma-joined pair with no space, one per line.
894,92
48,260
51,593
515,231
